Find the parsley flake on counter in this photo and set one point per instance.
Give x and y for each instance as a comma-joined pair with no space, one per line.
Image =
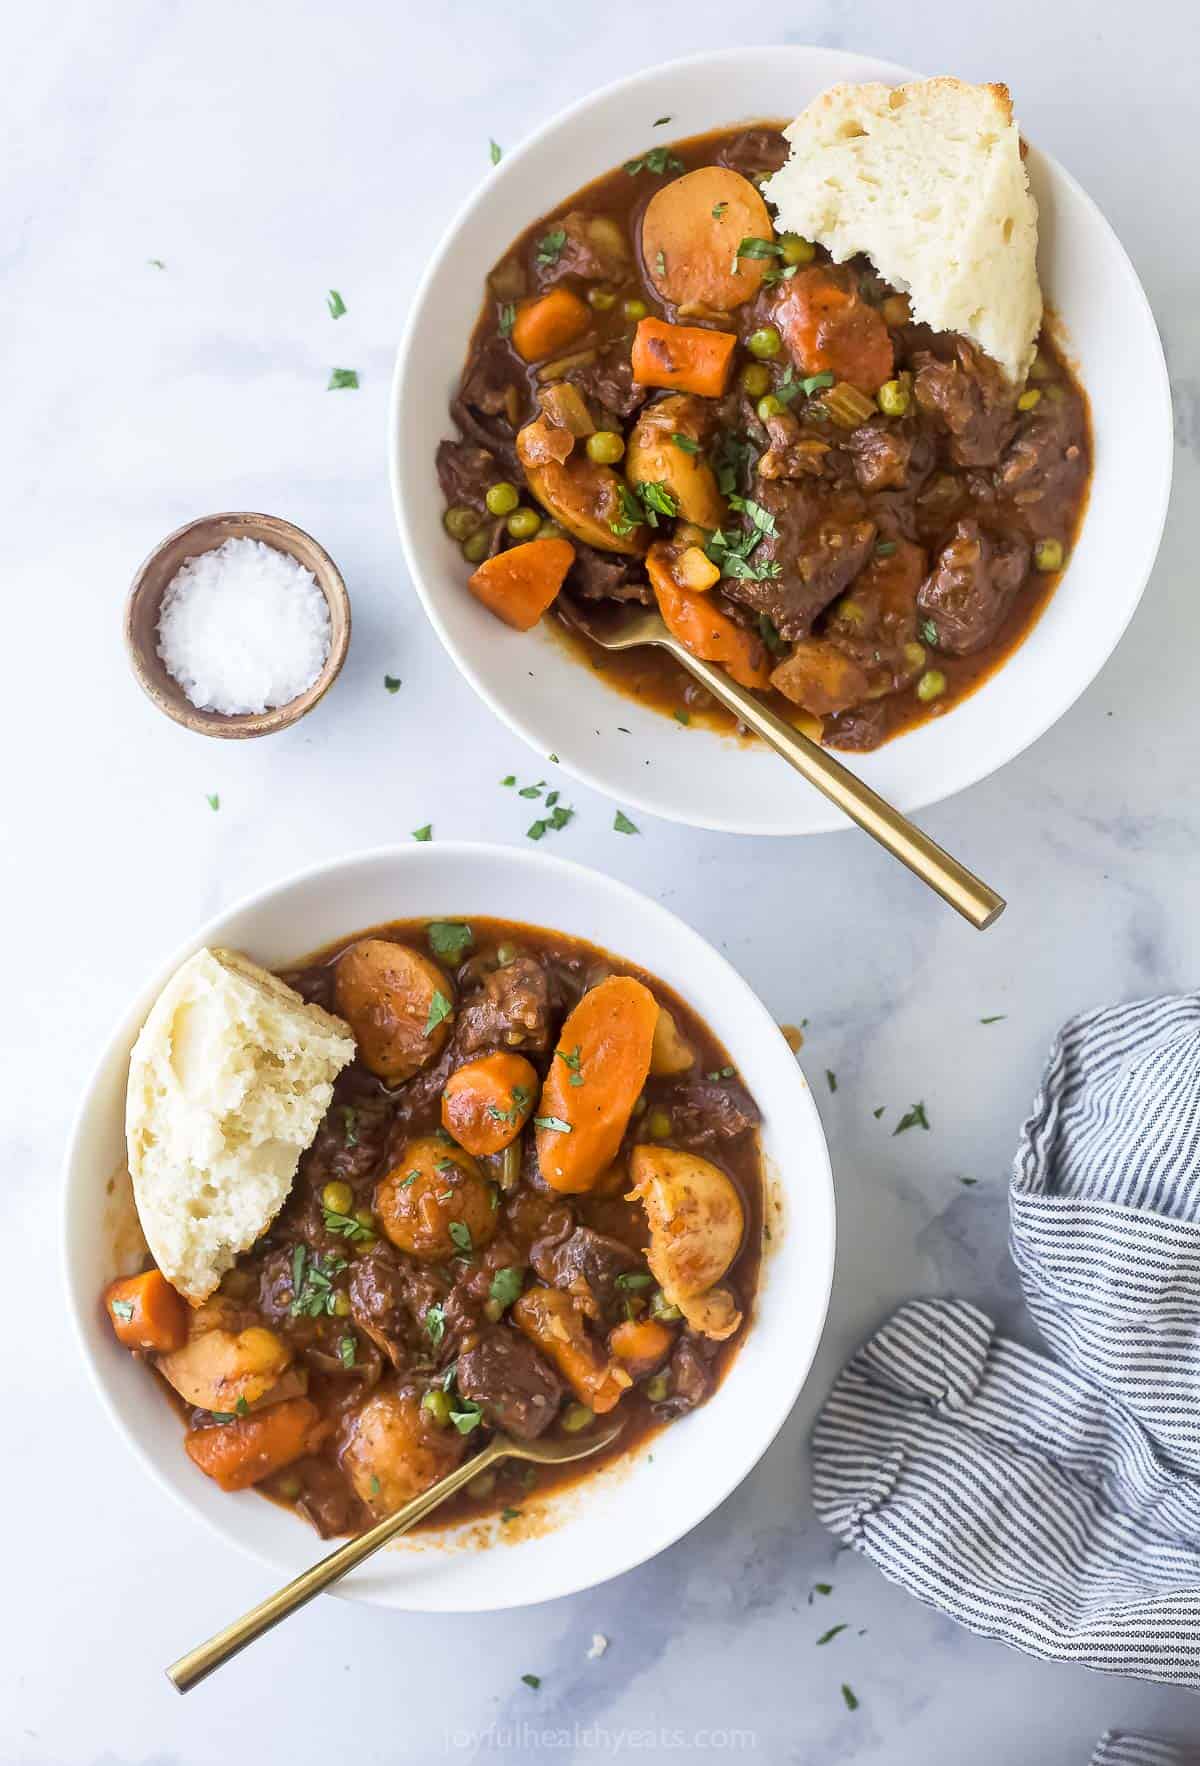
913,1118
532,790
451,939
554,758
392,683
996,1018
156,263
213,800
550,245
439,1008
968,1182
425,833
659,121
831,1078
850,1700
340,378
509,779
335,303
828,1636
534,1680
623,825
878,1113
822,1587
495,152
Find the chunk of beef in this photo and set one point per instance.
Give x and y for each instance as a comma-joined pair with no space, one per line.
326,1498
1045,465
889,456
386,1300
971,587
314,985
589,1264
517,1391
595,249
511,1010
607,576
860,729
350,1142
756,153
820,677
489,404
971,399
689,1375
606,381
817,559
466,473
707,1110
790,453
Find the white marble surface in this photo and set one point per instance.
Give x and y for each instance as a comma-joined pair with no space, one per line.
267,152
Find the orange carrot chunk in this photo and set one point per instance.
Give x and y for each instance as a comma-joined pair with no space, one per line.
595,1079
486,1103
146,1313
704,629
549,323
552,1321
641,1345
249,1449
518,585
830,329
686,357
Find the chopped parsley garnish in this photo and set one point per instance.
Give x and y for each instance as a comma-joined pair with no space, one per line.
733,458
425,833
718,209
439,1008
780,273
509,1514
815,383
374,1485
435,1323
831,1078
660,262
507,1284
570,1061
392,683
885,548
335,303
995,1018
532,790
657,500
347,1351
681,717
850,1701
762,518
213,800
508,318
658,161
241,1408
828,1636
632,514
550,245
122,1309
445,1165
685,442
312,1283
340,378
350,1125
769,635
914,1118
558,818
450,939
623,825
410,1180
756,248
929,632
554,1122
495,152
460,1232
634,1279
467,1417
535,1680
347,1226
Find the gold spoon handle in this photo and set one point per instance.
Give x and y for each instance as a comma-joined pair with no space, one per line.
952,881
191,1669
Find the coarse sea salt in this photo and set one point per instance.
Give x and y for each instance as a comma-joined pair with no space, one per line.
243,628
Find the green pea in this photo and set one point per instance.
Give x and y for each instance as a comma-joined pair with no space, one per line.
931,685
482,1485
658,1125
523,524
493,1311
289,1488
601,299
892,398
634,309
551,530
605,447
756,379
365,1219
460,522
1048,555
795,249
768,407
476,549
505,954
576,1417
1029,399
438,1405
661,1307
502,498
338,1198
765,342
341,1304
656,1389
914,655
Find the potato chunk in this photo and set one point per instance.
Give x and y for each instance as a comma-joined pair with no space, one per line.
221,1366
658,453
696,1222
398,1003
392,1450
435,1203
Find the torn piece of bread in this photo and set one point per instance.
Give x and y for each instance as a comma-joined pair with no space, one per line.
927,181
228,1081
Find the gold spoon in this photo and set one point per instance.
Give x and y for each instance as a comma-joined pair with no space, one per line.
952,881
191,1669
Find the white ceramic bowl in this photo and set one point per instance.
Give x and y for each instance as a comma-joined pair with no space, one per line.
623,1514
696,776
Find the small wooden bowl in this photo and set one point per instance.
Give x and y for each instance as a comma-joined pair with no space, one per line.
145,600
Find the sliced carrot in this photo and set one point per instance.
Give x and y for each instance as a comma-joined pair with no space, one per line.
518,585
595,1079
146,1313
691,233
552,1321
830,329
249,1449
548,323
487,1102
642,1344
688,358
703,629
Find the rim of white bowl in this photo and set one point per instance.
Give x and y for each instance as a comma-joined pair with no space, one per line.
960,772
821,1205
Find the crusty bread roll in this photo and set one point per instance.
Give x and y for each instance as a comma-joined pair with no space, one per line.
928,181
228,1081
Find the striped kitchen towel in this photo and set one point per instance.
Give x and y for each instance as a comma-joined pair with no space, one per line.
1055,1503
1123,1749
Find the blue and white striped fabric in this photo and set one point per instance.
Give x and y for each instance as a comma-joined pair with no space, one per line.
1115,1749
1056,1503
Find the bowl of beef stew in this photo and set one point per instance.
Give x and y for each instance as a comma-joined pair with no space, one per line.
424,1294
890,549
